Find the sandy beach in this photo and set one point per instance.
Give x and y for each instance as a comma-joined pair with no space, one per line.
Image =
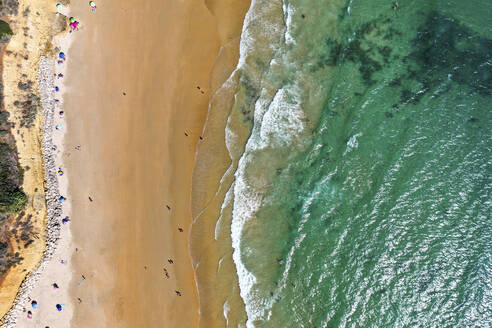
149,95
135,95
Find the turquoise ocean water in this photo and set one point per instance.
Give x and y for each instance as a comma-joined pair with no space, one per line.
362,197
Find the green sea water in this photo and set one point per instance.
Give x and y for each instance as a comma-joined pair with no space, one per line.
363,196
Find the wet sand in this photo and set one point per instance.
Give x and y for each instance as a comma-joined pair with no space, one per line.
211,245
135,157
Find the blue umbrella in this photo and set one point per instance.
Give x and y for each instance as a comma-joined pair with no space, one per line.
57,89
34,304
62,55
58,307
62,199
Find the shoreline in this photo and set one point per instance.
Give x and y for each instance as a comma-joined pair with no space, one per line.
210,238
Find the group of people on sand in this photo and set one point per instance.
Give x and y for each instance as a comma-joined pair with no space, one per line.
74,25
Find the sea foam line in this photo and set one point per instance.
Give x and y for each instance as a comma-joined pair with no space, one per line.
278,123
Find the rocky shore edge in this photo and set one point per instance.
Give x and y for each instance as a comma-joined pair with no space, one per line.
54,210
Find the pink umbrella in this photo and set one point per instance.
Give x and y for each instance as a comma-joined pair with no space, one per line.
74,25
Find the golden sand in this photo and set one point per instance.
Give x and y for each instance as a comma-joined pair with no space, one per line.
137,153
20,64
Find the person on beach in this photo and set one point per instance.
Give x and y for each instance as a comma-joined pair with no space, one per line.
93,6
60,75
177,292
55,285
170,261
65,220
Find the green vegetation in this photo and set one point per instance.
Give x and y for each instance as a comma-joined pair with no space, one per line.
5,28
12,198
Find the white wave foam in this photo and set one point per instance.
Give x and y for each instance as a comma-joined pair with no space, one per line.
289,12
283,122
226,308
279,122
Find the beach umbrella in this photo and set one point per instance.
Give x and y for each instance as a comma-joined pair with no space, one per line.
61,199
34,304
57,89
59,6
58,307
72,19
62,55
74,25
92,4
